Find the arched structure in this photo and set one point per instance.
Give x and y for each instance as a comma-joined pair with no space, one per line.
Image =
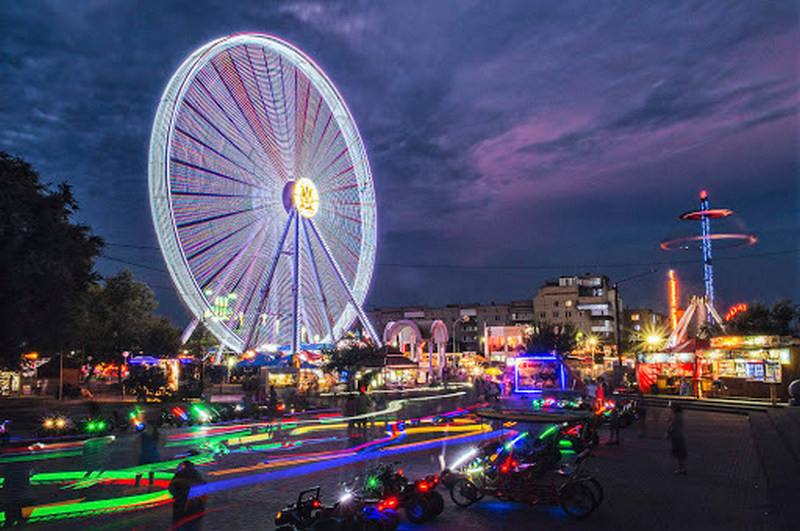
417,338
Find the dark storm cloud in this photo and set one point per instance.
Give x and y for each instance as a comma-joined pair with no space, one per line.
497,131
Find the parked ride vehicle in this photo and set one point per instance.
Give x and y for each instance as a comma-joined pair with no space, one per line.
350,513
419,499
529,469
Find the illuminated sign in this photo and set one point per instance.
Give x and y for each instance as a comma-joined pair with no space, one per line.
734,310
533,374
744,341
306,197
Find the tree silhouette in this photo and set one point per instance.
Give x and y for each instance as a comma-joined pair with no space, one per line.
548,338
46,261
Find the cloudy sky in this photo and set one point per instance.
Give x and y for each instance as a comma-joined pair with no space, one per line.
515,140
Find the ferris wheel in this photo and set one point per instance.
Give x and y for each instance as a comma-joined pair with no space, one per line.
262,196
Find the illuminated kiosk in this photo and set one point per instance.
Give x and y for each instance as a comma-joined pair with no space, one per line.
262,196
537,373
423,340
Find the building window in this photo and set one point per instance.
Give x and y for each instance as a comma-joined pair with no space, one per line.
567,314
634,317
597,292
555,303
637,327
555,314
543,315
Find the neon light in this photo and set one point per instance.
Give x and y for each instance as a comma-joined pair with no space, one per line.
738,308
673,299
548,431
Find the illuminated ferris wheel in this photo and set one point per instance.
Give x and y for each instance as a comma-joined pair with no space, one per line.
262,196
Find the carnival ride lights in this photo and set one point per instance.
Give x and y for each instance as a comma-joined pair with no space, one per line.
734,235
735,310
673,300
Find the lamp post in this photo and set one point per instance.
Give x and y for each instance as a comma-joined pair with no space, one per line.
462,319
617,333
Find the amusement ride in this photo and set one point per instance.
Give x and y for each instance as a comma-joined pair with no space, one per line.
262,196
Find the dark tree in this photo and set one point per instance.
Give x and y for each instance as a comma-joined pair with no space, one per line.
201,341
118,316
46,261
759,319
549,338
162,336
348,358
782,317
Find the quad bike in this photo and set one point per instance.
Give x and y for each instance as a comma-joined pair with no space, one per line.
350,513
419,498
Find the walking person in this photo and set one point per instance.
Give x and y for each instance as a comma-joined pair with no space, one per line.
613,426
16,490
187,512
675,433
362,408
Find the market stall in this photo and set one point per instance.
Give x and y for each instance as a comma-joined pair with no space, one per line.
754,366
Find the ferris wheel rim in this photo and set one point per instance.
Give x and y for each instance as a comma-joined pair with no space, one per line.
162,206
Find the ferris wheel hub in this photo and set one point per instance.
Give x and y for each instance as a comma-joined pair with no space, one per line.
301,196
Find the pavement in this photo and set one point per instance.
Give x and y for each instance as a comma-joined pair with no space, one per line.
741,473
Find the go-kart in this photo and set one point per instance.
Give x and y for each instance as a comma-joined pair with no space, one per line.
56,424
419,499
350,513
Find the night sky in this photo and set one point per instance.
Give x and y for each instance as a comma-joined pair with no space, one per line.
516,140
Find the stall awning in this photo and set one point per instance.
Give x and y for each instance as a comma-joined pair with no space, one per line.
689,346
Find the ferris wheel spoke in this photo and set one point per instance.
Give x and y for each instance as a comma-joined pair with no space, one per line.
188,193
318,283
215,151
219,241
210,172
342,244
218,217
234,261
249,102
216,128
359,311
265,289
243,103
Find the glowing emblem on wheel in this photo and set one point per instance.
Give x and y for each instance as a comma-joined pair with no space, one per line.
306,198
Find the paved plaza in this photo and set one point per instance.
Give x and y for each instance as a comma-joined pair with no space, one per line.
726,487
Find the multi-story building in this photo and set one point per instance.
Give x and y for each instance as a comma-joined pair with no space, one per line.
637,323
586,302
465,322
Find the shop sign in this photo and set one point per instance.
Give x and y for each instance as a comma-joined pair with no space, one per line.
744,341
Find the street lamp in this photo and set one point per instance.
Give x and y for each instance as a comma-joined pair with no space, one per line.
617,334
653,340
462,319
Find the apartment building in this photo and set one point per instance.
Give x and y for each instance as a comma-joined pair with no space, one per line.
586,302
